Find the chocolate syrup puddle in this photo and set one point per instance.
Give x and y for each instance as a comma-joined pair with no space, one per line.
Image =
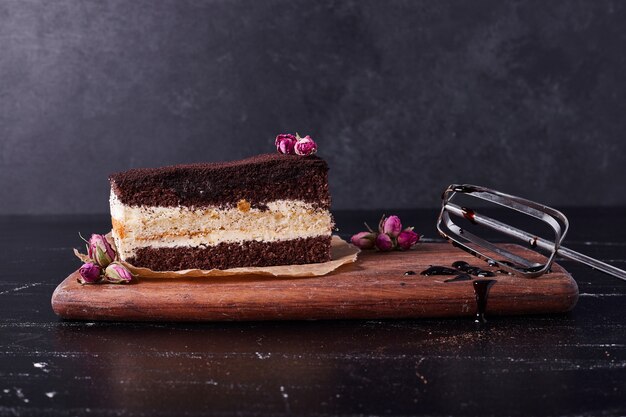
463,271
460,277
473,270
462,265
481,290
439,270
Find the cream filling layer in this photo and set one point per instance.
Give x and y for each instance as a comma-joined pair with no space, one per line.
135,227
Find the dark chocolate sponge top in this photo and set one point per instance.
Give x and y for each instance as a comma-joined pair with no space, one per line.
258,180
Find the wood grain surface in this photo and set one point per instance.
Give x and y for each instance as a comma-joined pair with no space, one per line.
373,288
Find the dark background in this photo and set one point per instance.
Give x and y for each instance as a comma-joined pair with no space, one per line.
403,97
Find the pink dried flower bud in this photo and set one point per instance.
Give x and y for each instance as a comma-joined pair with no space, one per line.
89,273
100,250
117,273
282,136
285,143
305,146
407,239
384,242
364,240
391,225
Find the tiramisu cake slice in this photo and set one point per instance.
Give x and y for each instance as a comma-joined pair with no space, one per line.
266,210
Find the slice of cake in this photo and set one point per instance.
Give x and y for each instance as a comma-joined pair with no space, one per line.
266,210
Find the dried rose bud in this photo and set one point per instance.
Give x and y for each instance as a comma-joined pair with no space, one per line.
100,250
384,242
305,146
89,273
391,225
407,239
364,240
285,143
117,273
282,136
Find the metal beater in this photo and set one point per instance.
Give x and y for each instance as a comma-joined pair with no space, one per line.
513,263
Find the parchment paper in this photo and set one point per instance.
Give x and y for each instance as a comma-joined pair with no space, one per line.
341,253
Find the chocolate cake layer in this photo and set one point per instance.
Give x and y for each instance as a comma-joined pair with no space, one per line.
256,180
232,255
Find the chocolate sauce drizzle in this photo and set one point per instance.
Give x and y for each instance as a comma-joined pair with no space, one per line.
469,214
473,270
462,265
460,277
439,270
463,271
481,290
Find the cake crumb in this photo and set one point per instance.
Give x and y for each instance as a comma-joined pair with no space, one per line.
243,205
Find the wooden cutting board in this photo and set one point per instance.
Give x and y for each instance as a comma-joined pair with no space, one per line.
372,288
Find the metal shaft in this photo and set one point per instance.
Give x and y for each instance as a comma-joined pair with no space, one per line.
594,263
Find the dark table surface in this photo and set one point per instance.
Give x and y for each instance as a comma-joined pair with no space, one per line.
569,364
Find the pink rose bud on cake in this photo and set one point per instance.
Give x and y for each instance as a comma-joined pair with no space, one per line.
384,242
100,250
391,225
89,273
285,143
364,240
305,146
117,273
407,239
